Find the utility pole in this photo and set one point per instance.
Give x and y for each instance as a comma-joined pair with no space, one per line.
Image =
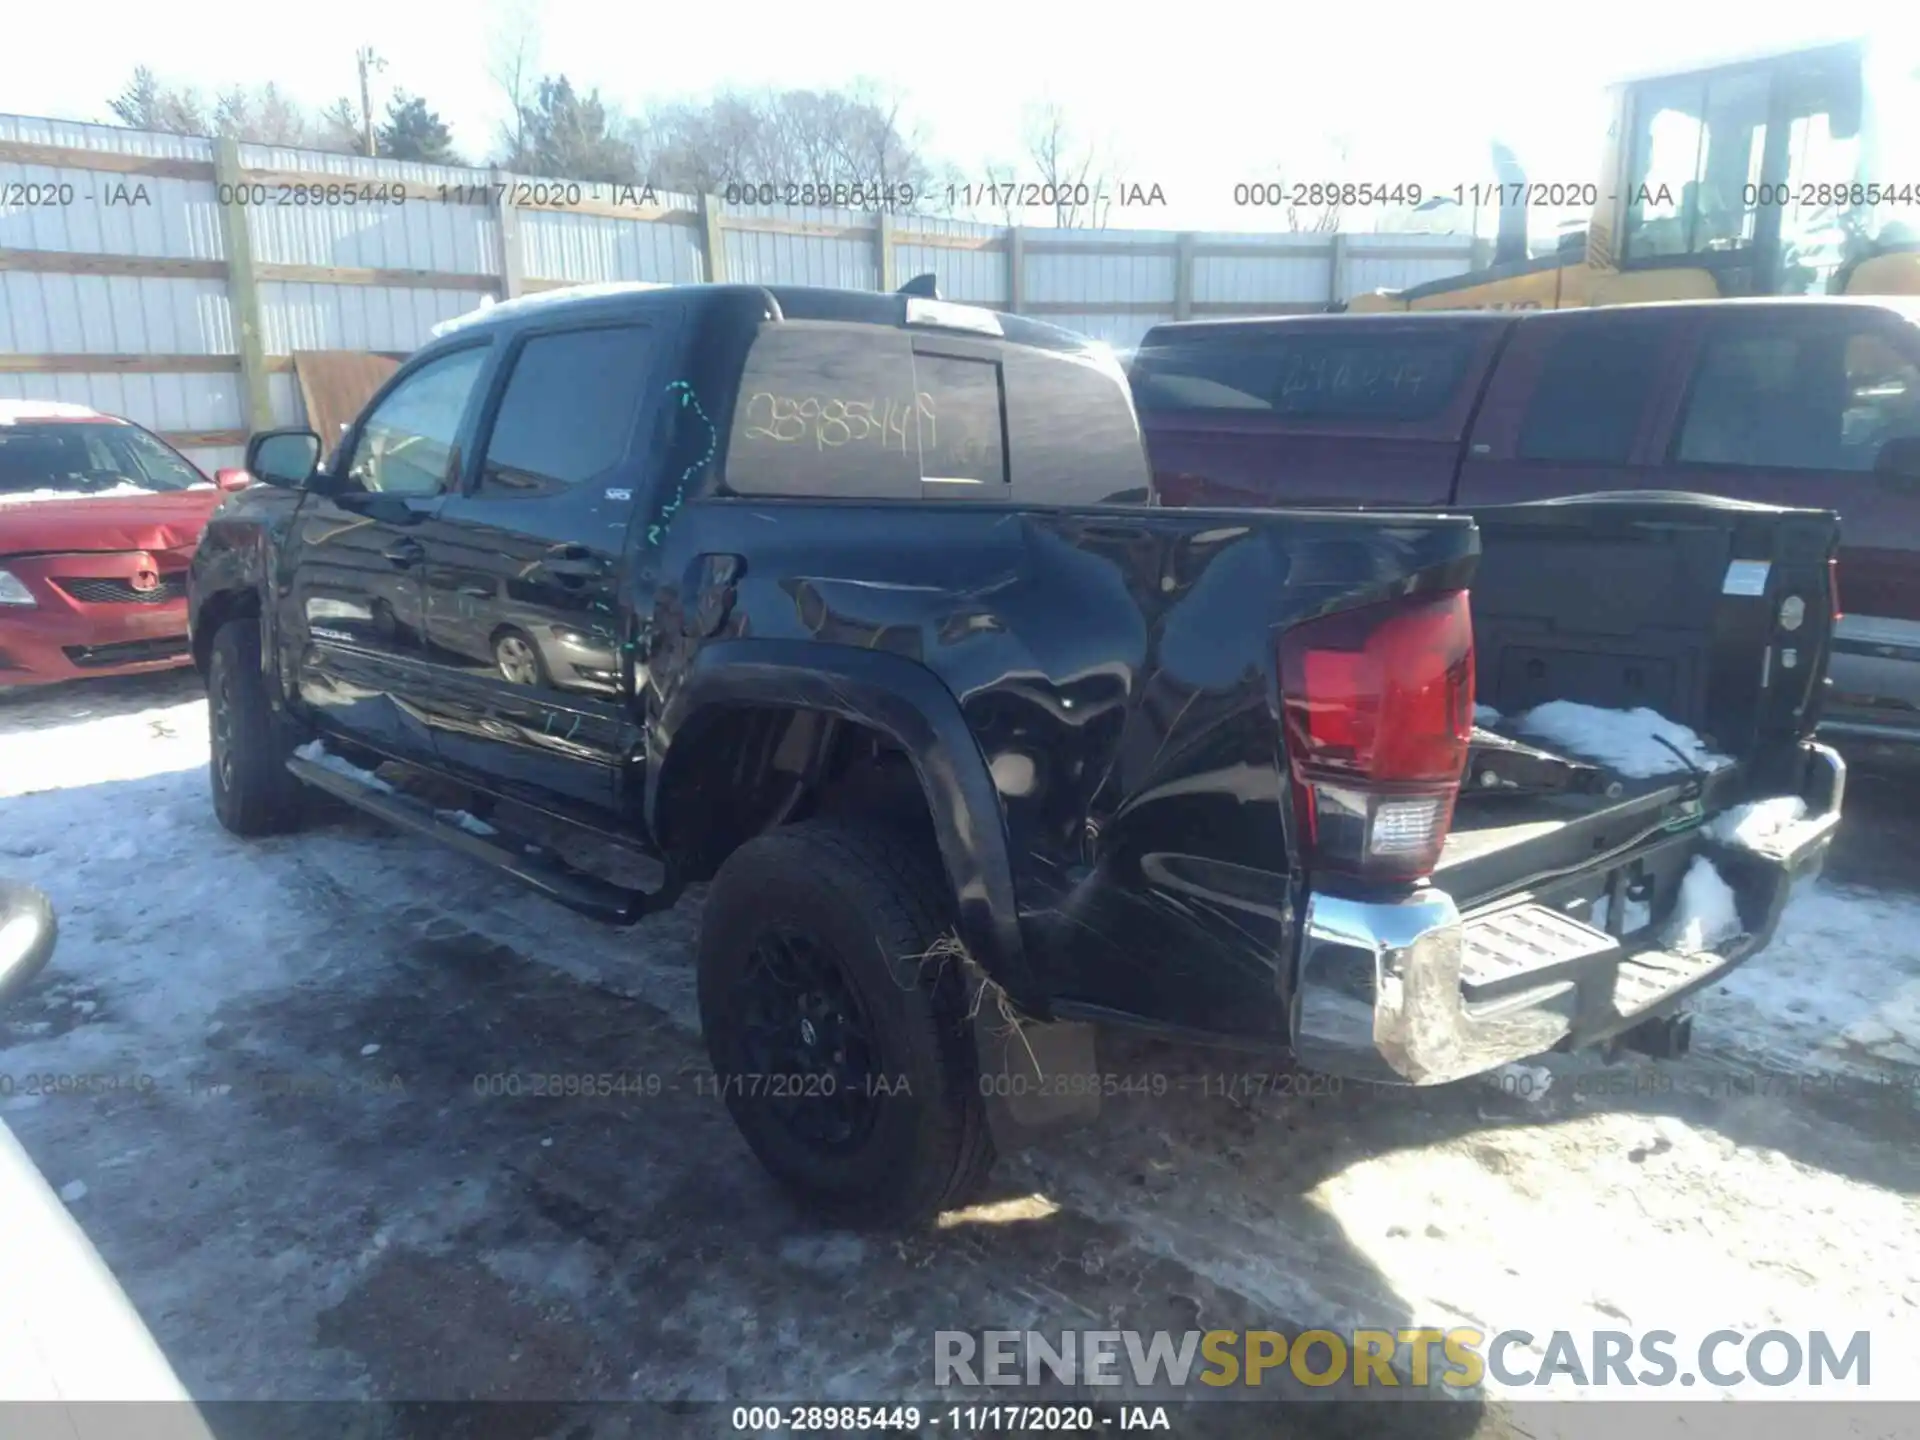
367,61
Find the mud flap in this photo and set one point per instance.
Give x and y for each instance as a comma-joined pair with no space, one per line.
1037,1080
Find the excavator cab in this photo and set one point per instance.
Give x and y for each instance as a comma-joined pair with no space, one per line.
1786,174
1766,173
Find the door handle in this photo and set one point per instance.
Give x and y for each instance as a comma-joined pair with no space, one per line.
575,568
405,553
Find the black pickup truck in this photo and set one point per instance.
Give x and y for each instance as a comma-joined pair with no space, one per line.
861,608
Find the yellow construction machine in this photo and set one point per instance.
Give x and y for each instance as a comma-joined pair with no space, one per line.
1794,173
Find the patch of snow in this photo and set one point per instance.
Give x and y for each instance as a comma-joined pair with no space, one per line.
1485,715
16,497
1626,741
1635,915
490,308
1760,825
1706,914
1868,1033
369,1049
472,824
317,752
12,412
73,1190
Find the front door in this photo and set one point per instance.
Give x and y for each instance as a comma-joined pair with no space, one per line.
523,615
357,578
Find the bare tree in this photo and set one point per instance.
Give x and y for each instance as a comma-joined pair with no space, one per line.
514,69
854,142
339,127
146,104
1072,173
264,115
1318,211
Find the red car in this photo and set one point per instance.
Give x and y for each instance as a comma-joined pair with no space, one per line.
98,521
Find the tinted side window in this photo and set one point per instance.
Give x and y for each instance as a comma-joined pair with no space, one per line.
567,413
1312,373
407,442
1825,400
1591,395
963,434
828,409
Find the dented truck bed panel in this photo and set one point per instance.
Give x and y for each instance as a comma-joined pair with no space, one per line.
1113,668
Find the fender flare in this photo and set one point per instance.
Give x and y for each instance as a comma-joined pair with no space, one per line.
909,704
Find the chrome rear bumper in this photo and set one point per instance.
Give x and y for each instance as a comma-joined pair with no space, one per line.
1380,994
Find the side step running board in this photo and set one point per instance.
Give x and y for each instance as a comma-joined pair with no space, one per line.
547,873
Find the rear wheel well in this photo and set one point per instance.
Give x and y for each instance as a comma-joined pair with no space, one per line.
217,611
748,769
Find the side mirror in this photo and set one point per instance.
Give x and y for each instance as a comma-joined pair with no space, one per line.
28,933
283,457
232,478
1899,458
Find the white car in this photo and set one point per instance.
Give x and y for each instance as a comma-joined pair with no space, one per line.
69,1338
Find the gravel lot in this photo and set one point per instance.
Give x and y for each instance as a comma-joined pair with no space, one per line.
307,1195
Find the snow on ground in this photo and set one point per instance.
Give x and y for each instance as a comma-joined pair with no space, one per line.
292,1224
1837,990
1636,743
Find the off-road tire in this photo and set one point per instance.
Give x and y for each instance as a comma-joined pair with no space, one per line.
253,792
878,906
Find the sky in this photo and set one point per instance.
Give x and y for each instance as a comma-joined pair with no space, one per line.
1192,98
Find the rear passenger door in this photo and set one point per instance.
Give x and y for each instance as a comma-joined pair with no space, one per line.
1578,405
523,565
1791,405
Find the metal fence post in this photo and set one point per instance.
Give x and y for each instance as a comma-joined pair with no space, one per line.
513,263
1016,268
243,293
883,265
1337,268
1183,275
712,239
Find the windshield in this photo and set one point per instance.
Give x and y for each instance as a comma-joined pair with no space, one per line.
1850,188
65,460
1789,169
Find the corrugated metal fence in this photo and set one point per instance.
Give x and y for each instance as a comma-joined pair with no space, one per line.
169,278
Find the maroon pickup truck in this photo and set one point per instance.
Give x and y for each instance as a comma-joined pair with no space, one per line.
1808,402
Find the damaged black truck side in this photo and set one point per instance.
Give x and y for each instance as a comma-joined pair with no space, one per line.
860,609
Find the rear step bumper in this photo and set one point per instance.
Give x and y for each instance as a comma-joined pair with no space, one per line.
1413,993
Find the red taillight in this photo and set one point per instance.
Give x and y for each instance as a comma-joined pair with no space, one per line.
1833,587
1378,710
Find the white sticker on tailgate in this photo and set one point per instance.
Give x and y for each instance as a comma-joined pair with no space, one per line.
1746,577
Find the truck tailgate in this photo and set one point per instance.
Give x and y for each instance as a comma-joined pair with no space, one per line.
1596,894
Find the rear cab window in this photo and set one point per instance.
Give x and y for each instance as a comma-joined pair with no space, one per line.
833,410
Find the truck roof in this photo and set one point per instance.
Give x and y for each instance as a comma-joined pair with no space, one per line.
776,303
1906,306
